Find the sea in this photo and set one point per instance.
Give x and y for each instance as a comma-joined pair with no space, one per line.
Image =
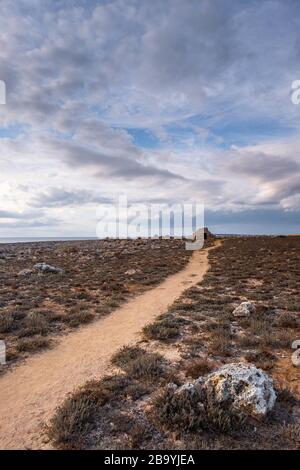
42,239
65,239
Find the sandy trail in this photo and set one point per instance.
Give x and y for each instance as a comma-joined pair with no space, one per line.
30,393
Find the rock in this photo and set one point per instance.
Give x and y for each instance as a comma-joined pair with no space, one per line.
46,268
25,272
248,389
244,309
130,272
237,388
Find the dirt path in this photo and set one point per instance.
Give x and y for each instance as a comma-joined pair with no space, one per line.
31,392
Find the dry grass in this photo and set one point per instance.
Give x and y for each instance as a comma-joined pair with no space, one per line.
198,367
33,344
200,325
183,412
262,358
162,330
94,405
6,322
92,285
139,364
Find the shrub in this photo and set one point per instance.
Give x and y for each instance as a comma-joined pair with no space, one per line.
136,390
78,318
139,364
72,420
125,355
79,412
221,341
247,341
278,339
199,367
287,320
32,344
162,330
6,322
291,433
262,359
187,411
34,324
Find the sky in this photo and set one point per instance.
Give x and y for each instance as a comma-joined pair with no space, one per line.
165,101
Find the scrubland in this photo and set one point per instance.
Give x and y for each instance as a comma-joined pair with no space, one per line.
36,308
134,407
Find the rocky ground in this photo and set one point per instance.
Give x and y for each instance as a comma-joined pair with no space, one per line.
214,372
49,288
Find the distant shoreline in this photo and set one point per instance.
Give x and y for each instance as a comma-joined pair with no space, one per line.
15,240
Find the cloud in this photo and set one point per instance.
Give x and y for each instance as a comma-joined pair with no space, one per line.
112,163
276,220
18,215
279,192
48,222
146,63
26,219
59,197
261,166
207,80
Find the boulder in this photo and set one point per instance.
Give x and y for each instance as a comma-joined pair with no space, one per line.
244,309
46,268
237,387
130,272
246,388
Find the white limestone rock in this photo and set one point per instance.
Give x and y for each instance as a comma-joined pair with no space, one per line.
46,268
248,389
244,309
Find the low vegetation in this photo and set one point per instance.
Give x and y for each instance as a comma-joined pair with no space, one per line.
183,414
97,277
140,364
165,328
145,412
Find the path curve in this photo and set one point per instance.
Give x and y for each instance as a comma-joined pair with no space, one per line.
30,393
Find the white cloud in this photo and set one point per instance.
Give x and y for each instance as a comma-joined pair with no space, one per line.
80,75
